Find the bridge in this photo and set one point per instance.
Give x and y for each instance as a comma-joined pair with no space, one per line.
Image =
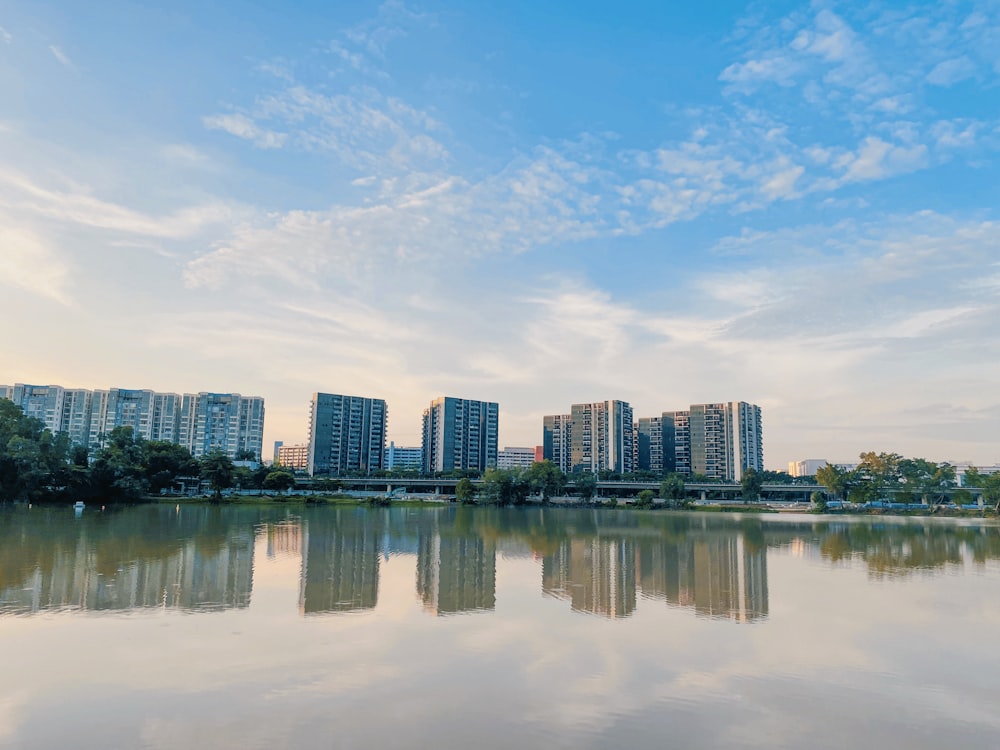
442,486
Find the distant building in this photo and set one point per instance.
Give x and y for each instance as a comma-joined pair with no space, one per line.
460,434
725,439
719,441
963,466
201,422
293,456
516,458
346,434
227,422
277,447
41,402
556,439
539,453
807,467
400,457
601,437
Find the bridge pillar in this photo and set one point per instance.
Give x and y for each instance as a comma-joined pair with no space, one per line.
704,496
437,490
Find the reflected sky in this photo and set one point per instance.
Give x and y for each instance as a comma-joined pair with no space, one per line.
557,628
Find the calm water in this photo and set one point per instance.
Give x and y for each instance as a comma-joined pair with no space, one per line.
473,628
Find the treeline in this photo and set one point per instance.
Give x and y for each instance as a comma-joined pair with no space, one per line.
545,479
891,477
37,465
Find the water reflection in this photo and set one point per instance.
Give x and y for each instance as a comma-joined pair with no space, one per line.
200,562
602,563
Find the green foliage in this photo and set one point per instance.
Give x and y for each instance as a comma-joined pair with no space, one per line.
545,478
218,470
751,484
672,488
645,499
465,491
836,480
991,490
163,462
504,487
776,477
819,500
586,485
118,470
279,480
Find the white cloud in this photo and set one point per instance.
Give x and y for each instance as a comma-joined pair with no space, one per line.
60,55
28,261
876,159
243,127
78,206
950,72
5,36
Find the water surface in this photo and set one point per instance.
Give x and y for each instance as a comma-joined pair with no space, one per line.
185,627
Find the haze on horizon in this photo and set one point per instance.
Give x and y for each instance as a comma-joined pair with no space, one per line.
790,204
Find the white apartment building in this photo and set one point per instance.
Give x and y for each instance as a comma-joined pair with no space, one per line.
515,458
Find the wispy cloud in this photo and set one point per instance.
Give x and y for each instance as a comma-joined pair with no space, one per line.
5,36
28,262
61,56
243,127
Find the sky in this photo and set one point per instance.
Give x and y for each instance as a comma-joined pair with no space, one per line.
792,204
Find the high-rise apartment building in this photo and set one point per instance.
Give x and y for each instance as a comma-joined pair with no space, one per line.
346,434
601,437
680,428
515,458
718,441
745,437
460,433
556,440
723,440
293,456
404,457
201,422
41,402
227,422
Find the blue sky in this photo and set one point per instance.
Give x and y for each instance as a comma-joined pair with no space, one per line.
792,204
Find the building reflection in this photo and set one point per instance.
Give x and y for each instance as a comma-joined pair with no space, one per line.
719,577
284,539
194,576
340,567
596,575
456,573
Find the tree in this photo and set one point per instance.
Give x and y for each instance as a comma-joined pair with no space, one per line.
586,485
880,473
751,483
973,478
835,480
545,478
118,468
645,499
279,480
991,490
504,487
465,491
217,469
163,462
672,489
926,479
819,500
245,454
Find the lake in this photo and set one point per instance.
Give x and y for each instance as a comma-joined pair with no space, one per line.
270,627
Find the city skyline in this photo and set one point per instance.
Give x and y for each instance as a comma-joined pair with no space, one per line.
534,206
